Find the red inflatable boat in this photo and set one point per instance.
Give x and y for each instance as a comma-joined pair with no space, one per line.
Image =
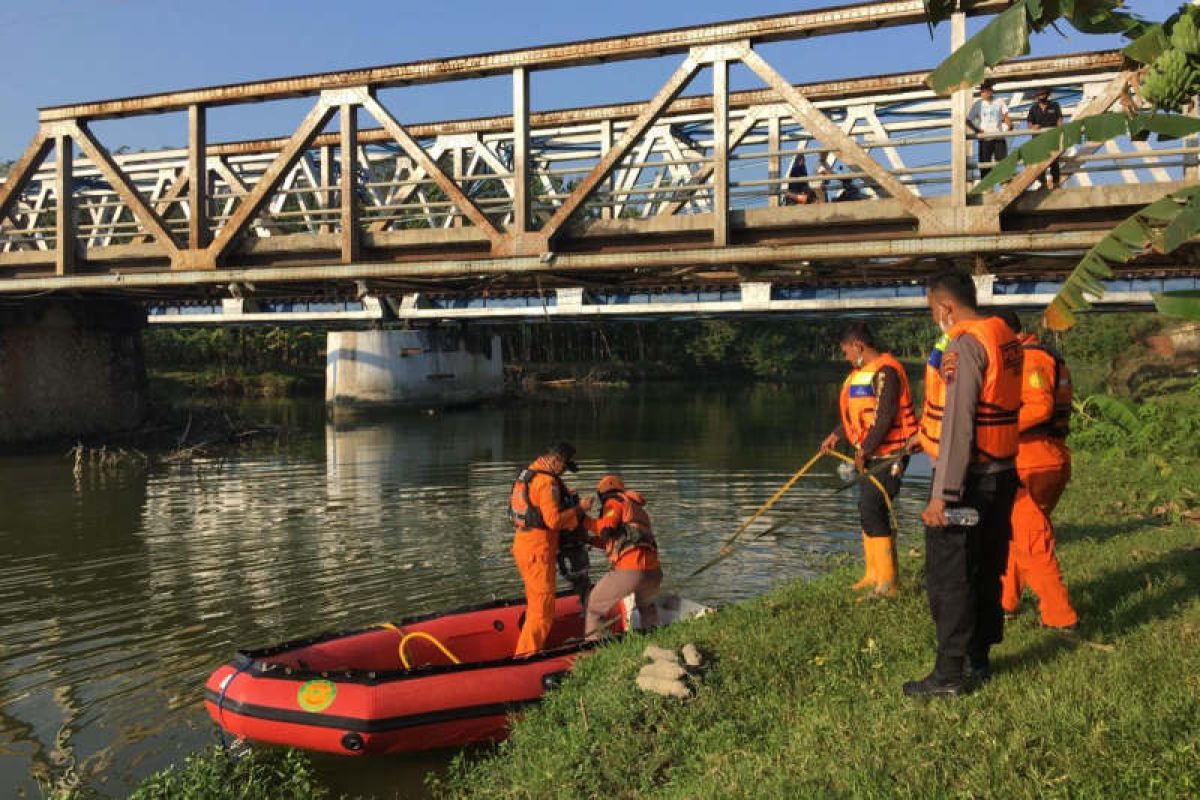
442,680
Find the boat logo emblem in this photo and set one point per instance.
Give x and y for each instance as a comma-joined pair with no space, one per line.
316,695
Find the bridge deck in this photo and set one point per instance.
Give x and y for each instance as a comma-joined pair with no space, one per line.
683,190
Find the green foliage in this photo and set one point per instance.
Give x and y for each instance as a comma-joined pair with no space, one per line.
1166,223
1007,34
1162,427
255,775
1100,338
713,343
1184,304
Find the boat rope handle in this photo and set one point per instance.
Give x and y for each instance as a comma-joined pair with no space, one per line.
405,637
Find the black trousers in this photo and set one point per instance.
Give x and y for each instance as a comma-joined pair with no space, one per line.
991,150
963,567
872,510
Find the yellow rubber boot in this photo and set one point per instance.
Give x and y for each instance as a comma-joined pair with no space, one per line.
868,578
887,573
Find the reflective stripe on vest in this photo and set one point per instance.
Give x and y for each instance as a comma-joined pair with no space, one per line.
935,399
859,402
996,410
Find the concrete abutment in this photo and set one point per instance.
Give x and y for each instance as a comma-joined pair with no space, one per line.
70,368
412,367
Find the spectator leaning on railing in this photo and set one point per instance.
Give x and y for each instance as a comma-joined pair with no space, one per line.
989,119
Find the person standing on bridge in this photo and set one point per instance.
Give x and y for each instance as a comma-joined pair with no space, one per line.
624,532
877,418
1045,113
969,430
1044,467
541,507
989,119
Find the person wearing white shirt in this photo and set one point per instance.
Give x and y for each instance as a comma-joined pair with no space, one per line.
989,116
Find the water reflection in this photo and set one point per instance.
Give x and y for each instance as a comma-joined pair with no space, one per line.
118,595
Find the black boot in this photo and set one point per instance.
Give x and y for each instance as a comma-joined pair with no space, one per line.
978,669
935,685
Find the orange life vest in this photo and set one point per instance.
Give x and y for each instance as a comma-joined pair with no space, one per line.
521,510
1038,355
859,401
997,409
633,529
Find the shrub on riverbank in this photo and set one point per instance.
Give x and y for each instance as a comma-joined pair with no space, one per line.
804,700
254,775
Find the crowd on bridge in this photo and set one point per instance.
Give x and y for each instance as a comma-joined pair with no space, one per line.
994,422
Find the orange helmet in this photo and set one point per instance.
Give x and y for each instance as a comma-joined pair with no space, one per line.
610,483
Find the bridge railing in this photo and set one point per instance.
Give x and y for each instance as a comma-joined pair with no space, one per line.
712,168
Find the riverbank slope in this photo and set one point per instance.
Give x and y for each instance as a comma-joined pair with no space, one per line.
803,697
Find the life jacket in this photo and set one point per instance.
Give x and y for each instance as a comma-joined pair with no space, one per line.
934,405
634,528
858,402
998,407
521,510
1038,354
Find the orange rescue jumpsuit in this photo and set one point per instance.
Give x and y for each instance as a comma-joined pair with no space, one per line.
1044,466
536,552
635,569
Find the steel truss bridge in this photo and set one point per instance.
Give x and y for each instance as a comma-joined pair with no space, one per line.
674,206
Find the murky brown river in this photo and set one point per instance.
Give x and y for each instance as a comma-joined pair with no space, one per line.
122,590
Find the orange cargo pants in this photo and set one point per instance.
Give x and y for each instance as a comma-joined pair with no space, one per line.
536,554
1031,559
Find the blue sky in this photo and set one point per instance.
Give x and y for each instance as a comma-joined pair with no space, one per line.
63,51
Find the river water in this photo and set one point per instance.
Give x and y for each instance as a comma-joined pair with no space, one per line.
121,589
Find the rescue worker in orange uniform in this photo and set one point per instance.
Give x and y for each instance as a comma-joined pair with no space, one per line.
624,532
969,430
540,510
1044,467
877,418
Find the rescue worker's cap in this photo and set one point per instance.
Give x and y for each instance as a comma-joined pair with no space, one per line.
1043,92
565,451
610,483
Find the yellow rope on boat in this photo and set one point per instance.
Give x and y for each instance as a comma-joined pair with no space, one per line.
406,637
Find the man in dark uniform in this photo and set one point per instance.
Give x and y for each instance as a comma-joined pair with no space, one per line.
969,430
1045,113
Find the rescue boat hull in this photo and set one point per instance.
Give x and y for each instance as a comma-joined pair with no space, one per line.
347,693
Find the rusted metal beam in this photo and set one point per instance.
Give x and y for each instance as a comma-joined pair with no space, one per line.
197,177
819,22
128,193
520,152
669,91
720,162
707,256
774,162
66,246
1099,104
960,103
300,141
421,158
832,136
1076,64
748,123
162,206
23,170
348,117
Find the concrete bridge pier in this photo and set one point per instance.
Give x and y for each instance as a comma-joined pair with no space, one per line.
70,368
431,367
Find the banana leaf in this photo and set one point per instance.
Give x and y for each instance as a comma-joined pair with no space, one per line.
1149,46
1185,303
1166,223
1007,35
1094,128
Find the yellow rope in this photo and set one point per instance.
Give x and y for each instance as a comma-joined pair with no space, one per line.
727,547
887,500
405,637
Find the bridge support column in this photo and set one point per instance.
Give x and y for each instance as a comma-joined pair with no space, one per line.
70,368
426,367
